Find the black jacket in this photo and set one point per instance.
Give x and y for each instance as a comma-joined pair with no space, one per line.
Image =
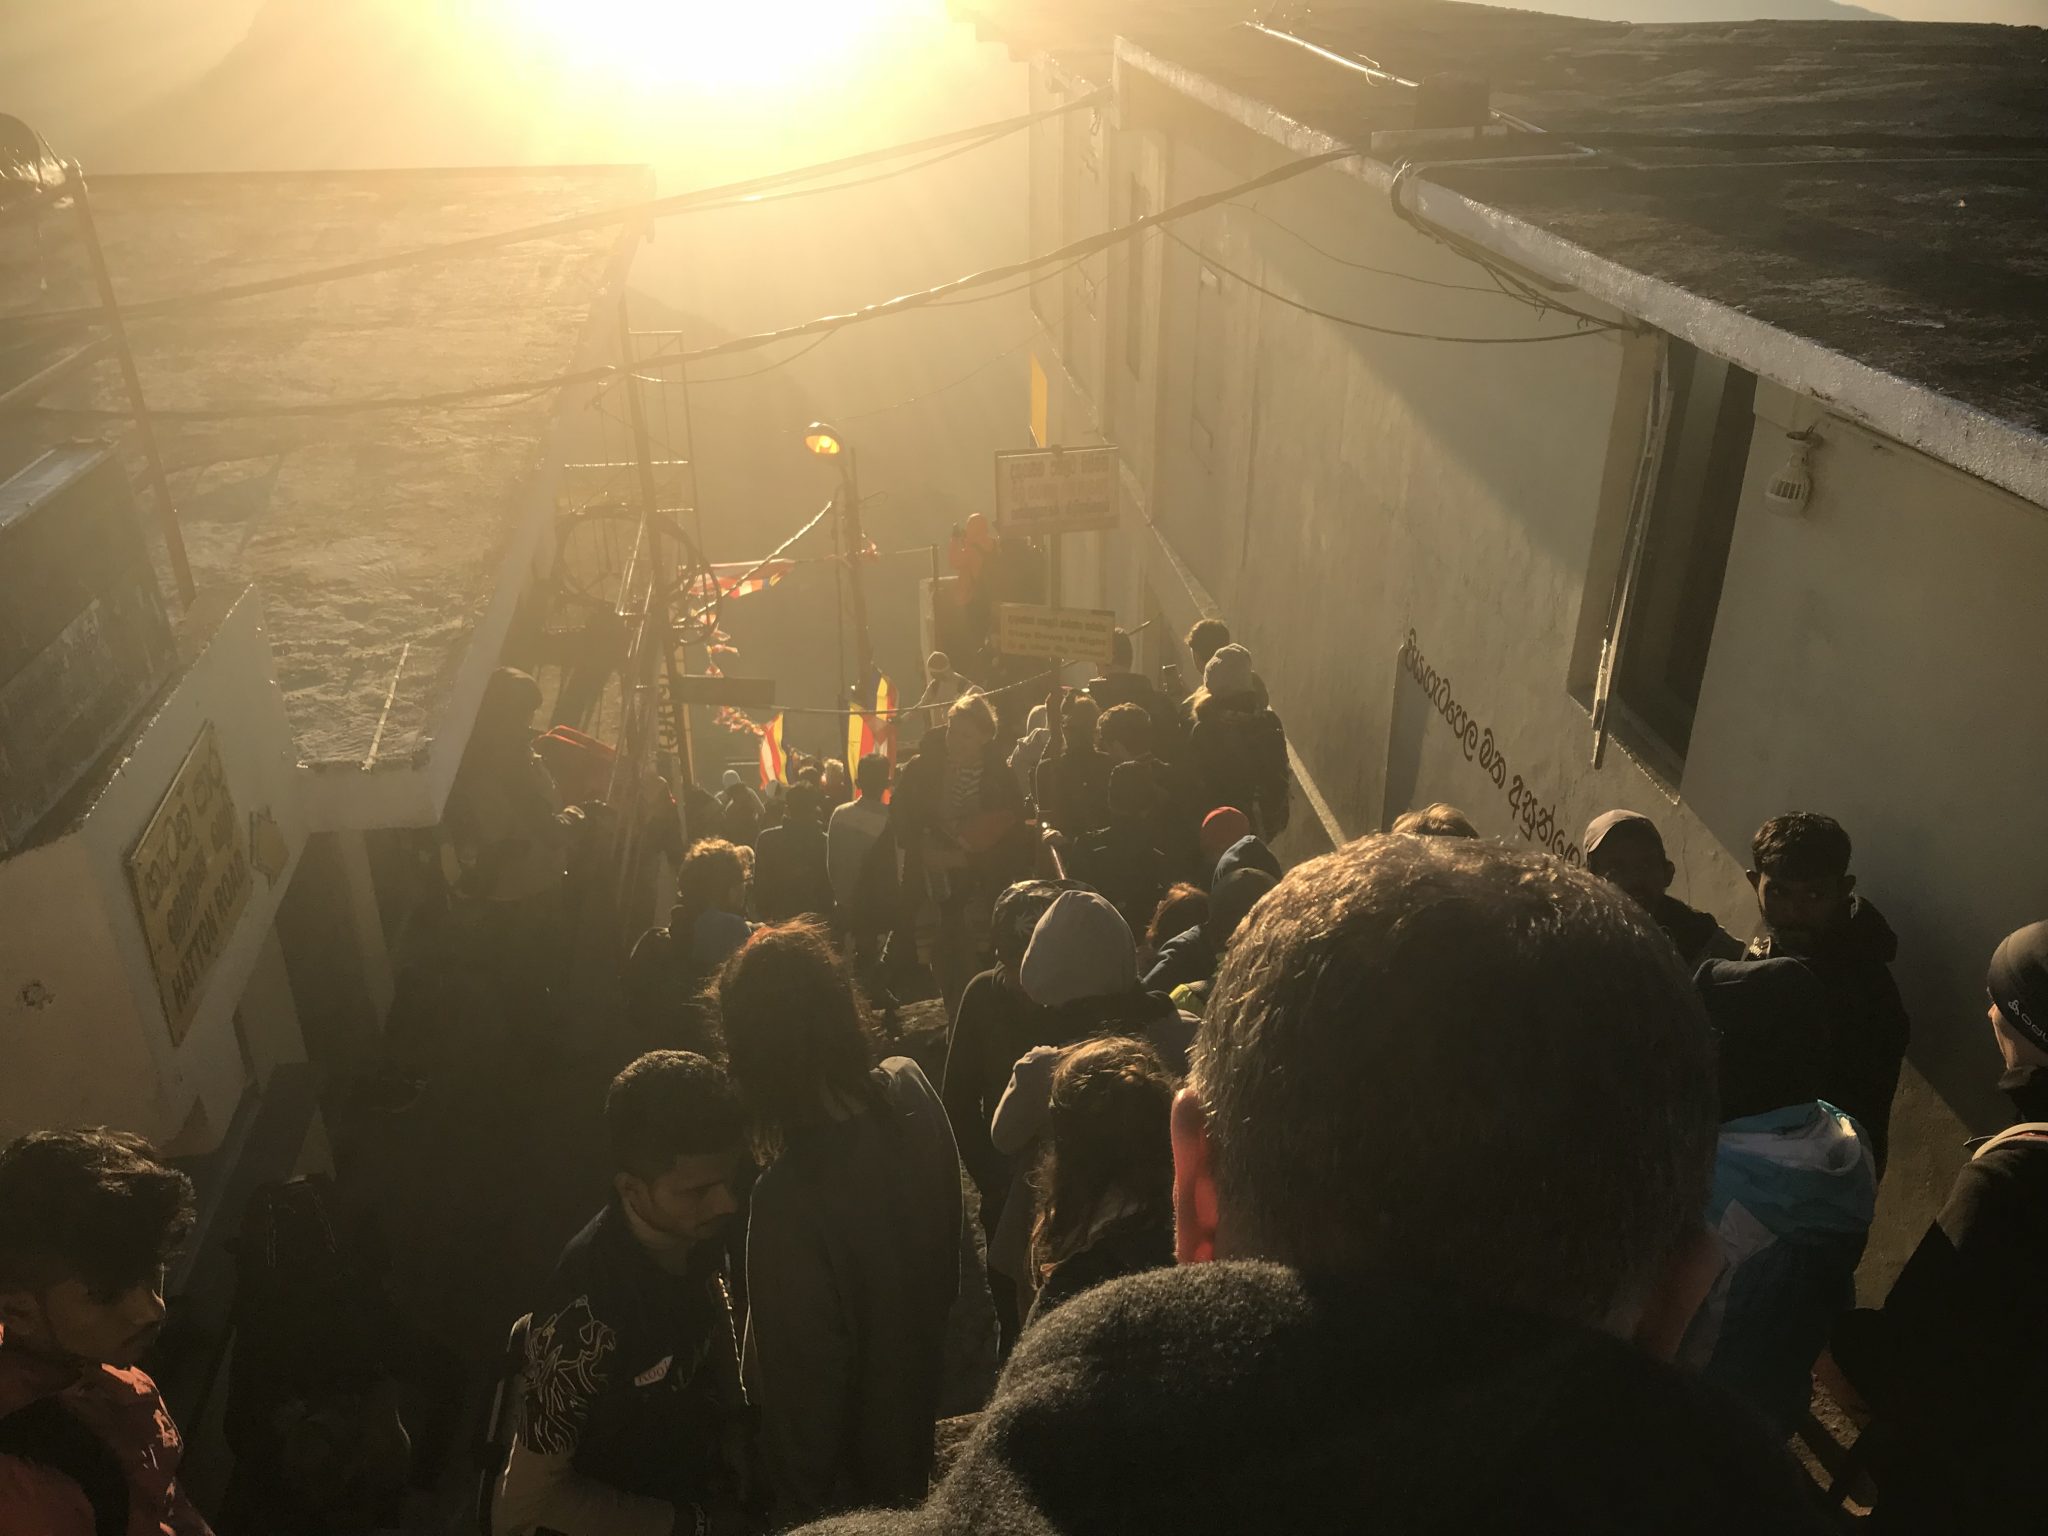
791,877
1239,758
633,1369
1696,935
1124,865
994,1025
853,1266
1953,1363
1229,1399
1868,1028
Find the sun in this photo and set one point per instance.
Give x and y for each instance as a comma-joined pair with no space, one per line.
728,49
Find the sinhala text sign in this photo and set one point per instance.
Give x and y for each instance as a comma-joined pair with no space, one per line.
1056,634
1056,490
190,873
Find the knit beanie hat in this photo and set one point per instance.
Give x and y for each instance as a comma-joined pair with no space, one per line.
1082,948
1229,673
1221,828
2019,982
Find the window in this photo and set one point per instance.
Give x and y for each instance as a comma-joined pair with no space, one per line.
1134,283
1671,588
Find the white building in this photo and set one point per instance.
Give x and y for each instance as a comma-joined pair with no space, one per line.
1777,253
202,881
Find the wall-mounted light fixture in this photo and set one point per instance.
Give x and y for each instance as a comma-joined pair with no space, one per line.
1792,486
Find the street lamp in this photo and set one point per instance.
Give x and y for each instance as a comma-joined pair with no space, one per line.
826,441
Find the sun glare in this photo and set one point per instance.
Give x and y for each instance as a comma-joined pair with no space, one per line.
733,48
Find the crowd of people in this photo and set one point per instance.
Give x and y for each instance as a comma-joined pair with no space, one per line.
1429,1185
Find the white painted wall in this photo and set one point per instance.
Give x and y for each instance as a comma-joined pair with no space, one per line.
1876,658
82,1028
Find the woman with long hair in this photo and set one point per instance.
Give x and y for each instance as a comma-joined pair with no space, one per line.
1104,1183
854,1236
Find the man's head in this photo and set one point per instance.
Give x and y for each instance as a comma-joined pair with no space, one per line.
937,665
2018,984
1770,1023
1626,849
1438,820
1082,948
794,1032
834,779
1207,638
1080,715
871,777
970,725
88,1221
1463,1067
1120,652
806,805
676,1138
1222,828
504,716
713,878
1229,677
1799,866
1016,915
1124,732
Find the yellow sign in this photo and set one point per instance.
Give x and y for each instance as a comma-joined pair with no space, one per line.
1056,634
190,873
1039,395
1056,490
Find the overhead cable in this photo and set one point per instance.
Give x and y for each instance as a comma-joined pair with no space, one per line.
730,194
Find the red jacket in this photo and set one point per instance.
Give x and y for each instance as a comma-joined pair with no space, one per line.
123,1409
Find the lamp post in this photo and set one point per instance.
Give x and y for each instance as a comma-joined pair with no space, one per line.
828,442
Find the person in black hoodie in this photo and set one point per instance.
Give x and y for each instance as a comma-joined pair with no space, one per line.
1626,848
1238,749
1439,1170
792,876
1947,1365
1800,870
1123,860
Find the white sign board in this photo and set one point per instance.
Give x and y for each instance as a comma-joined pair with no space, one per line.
1056,634
1056,490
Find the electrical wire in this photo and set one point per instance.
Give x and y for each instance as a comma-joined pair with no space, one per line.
752,373
1358,266
1033,269
1381,330
727,195
979,368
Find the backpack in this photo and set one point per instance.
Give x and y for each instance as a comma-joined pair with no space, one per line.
50,1435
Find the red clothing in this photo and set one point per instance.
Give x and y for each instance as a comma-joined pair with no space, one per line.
123,1409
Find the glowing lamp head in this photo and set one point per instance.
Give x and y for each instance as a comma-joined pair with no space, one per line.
824,440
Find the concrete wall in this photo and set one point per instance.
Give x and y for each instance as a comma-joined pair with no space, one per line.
82,1028
1419,540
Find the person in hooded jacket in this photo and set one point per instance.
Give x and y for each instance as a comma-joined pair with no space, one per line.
1794,1190
1123,860
1626,848
1947,1369
1800,871
666,973
1191,958
1072,788
1238,749
1081,966
1376,1326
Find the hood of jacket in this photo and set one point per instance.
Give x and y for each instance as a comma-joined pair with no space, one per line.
1244,1397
